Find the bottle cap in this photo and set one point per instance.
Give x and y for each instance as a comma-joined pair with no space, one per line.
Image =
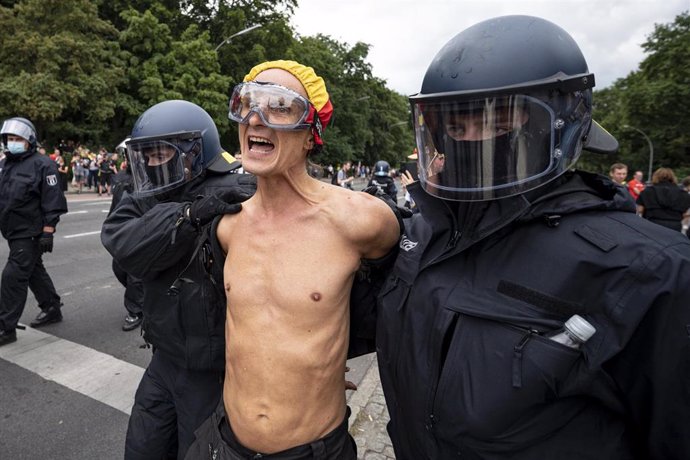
580,327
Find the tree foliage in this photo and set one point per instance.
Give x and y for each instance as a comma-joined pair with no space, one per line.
65,79
653,99
86,69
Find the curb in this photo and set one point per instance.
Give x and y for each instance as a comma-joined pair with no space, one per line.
359,399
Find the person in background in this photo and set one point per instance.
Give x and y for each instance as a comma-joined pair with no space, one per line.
618,172
78,171
93,171
382,180
31,203
510,244
63,170
636,184
105,172
664,203
342,178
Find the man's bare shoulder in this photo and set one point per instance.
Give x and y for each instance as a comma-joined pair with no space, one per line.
368,221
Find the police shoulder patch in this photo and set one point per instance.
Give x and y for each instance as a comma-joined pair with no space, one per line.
51,180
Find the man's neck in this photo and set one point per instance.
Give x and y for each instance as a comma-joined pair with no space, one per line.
281,193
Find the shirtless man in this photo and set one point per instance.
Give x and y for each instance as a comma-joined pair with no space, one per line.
288,305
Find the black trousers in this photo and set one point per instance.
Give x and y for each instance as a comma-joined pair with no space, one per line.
215,440
24,270
134,290
170,403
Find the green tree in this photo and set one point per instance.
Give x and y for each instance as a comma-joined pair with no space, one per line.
655,99
160,67
368,121
62,67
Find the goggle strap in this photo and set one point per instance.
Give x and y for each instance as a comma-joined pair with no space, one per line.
316,126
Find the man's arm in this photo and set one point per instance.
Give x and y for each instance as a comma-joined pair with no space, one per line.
372,274
53,202
145,236
343,179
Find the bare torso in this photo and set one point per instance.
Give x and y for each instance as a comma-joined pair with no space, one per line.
288,275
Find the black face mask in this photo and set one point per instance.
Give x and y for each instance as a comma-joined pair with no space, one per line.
162,174
467,165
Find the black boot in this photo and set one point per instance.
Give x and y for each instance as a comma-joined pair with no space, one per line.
48,316
132,322
7,336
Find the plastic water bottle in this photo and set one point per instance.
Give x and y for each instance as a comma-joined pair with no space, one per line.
575,332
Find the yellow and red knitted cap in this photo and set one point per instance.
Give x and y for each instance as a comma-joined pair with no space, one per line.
312,83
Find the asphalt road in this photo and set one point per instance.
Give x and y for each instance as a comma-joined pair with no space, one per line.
66,389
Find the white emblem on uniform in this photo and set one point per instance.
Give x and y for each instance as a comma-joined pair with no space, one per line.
51,180
407,245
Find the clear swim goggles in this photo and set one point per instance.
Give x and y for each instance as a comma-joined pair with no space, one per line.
277,106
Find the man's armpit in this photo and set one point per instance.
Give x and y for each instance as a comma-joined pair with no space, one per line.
222,230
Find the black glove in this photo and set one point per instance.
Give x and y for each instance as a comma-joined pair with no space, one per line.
204,208
45,242
400,212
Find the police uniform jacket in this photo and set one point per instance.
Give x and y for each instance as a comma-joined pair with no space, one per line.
184,303
466,366
30,195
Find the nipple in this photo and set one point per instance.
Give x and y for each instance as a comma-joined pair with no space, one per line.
315,296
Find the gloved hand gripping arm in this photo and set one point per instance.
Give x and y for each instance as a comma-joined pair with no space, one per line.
204,208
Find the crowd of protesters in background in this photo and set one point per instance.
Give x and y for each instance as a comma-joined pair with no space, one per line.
82,169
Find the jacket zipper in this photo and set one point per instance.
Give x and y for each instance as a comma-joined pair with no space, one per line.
517,357
436,373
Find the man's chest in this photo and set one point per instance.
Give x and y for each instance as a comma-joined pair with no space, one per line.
289,266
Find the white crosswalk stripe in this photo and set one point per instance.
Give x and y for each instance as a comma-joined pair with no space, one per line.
94,374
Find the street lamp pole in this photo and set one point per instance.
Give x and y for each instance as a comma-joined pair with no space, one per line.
651,150
241,32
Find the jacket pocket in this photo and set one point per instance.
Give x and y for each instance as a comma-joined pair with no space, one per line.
495,374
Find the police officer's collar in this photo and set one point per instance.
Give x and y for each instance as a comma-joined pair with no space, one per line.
20,156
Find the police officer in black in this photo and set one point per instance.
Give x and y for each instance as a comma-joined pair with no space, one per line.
382,180
31,204
182,179
509,245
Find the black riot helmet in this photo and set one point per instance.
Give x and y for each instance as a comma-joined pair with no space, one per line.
381,168
172,143
505,107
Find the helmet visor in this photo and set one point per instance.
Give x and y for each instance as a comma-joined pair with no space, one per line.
277,106
485,148
17,128
161,164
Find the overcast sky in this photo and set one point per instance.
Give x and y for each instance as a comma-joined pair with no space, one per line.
405,35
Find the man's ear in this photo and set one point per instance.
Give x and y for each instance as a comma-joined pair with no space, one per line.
309,143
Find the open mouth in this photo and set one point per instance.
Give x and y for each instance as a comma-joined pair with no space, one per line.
260,144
